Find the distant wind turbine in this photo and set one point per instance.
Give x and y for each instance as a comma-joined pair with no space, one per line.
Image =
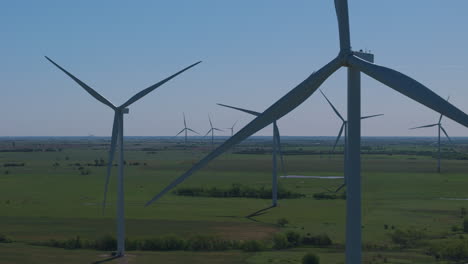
212,129
276,150
439,127
344,126
232,128
117,136
186,129
356,62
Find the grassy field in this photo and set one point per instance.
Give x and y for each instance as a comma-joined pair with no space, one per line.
51,198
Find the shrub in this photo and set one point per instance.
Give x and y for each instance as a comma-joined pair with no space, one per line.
205,243
282,222
4,239
151,244
321,240
132,244
407,238
252,246
452,250
310,258
172,242
294,238
280,241
106,242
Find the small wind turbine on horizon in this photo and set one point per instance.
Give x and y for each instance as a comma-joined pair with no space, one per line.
344,127
276,151
232,128
212,129
439,128
186,129
356,62
117,138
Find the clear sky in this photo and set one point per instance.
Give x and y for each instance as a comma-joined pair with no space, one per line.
253,53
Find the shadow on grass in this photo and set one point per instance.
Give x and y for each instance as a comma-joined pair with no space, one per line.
259,212
106,260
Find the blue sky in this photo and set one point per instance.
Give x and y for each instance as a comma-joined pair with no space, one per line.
253,53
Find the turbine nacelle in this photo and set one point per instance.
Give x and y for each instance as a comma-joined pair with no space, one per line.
125,110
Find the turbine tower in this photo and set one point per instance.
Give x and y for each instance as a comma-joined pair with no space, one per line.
117,137
232,128
439,127
355,64
344,126
276,151
186,129
212,129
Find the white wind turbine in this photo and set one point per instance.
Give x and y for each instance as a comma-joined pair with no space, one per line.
186,129
232,128
276,151
344,126
212,130
117,136
352,60
439,127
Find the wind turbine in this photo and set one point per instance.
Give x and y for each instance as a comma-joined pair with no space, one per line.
352,60
232,128
117,136
276,150
344,126
186,129
212,129
439,127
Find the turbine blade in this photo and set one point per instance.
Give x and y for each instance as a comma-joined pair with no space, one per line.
339,136
115,132
207,132
424,126
283,106
341,8
193,131
90,90
411,88
278,145
243,110
445,132
440,118
365,117
332,106
211,124
185,123
148,90
180,132
234,124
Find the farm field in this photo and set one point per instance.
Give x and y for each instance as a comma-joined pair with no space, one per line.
52,188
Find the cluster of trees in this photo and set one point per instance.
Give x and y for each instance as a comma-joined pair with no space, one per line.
12,164
193,243
236,190
292,239
32,150
329,196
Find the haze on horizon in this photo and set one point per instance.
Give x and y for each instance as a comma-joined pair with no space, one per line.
253,53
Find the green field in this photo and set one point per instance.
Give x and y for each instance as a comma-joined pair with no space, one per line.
41,201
